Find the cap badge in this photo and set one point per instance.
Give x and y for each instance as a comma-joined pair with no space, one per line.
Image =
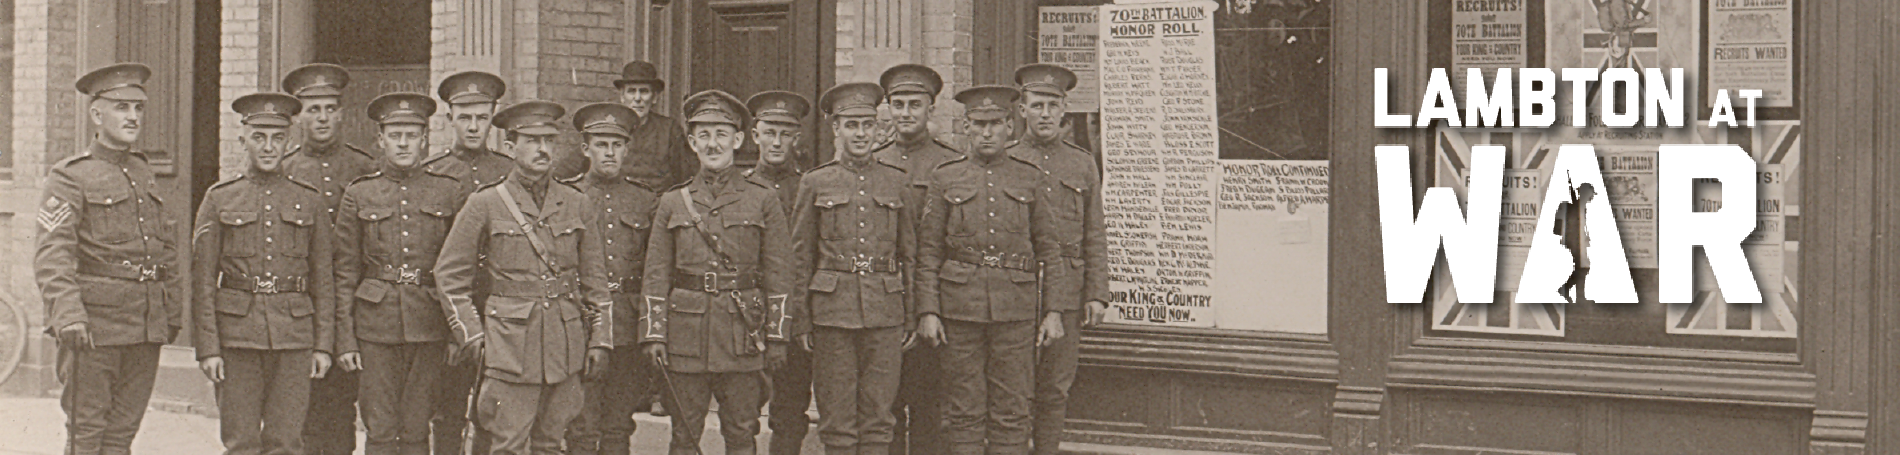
473,88
780,105
402,104
320,80
609,119
270,108
1049,78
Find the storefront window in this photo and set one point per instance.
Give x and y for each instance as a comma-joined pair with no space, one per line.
1719,45
6,88
1214,128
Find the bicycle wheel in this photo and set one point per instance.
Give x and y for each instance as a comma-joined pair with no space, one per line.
13,338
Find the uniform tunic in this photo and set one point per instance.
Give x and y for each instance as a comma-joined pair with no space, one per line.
626,216
983,234
330,167
533,321
474,168
1080,275
106,250
390,232
782,178
917,158
718,332
258,239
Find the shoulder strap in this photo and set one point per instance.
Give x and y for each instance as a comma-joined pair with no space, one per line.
699,225
534,237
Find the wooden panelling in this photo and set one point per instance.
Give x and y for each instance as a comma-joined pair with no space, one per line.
1200,412
1519,423
1669,429
1454,422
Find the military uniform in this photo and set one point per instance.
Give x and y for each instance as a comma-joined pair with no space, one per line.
475,168
853,240
626,210
986,227
1081,274
106,258
791,385
919,405
389,229
533,338
330,428
716,306
261,259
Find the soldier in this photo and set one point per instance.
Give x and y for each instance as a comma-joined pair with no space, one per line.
777,123
716,285
389,230
986,227
657,155
471,97
261,262
852,240
1077,282
606,422
545,262
105,267
326,161
911,92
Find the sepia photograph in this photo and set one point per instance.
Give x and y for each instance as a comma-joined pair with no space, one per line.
965,227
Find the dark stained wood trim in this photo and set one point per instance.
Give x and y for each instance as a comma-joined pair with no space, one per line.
1303,358
1667,376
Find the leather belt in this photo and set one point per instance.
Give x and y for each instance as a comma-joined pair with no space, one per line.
628,285
859,264
266,284
998,260
125,270
404,275
548,288
713,282
1071,250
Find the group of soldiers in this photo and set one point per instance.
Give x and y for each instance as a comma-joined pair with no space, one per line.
530,299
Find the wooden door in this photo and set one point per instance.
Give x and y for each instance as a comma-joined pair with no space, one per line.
159,34
749,46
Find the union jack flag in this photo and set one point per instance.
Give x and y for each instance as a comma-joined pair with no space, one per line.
1772,250
1528,155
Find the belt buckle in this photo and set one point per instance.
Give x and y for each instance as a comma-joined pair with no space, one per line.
711,283
409,276
993,260
861,265
613,286
148,273
263,285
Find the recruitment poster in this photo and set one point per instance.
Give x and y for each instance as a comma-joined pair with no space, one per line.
1160,161
1528,167
1751,46
1487,36
1066,37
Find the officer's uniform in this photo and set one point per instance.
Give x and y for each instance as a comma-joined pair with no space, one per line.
853,242
985,229
791,385
919,405
261,263
715,307
106,258
536,339
389,230
330,427
475,168
1081,274
626,211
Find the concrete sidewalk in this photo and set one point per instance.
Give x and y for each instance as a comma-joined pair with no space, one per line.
36,426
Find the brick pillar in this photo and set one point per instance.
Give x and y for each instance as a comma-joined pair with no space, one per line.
45,125
566,51
248,64
877,34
